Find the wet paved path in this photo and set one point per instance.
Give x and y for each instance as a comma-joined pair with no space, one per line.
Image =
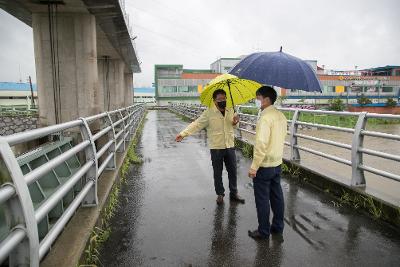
168,216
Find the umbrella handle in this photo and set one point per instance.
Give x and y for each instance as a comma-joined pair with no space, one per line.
230,93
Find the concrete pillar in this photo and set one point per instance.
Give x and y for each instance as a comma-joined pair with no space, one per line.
113,83
114,97
128,89
76,65
103,66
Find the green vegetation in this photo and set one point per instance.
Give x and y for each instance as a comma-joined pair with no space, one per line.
336,104
293,170
363,100
247,149
131,156
101,233
325,119
360,201
391,103
251,111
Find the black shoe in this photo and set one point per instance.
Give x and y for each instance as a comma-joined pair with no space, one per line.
237,198
275,232
277,238
220,199
256,235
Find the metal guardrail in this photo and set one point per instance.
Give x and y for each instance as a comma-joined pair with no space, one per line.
22,245
357,147
180,94
334,94
11,110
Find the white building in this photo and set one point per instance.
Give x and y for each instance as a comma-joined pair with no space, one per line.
313,64
224,64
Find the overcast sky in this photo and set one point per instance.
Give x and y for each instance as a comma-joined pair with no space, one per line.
339,34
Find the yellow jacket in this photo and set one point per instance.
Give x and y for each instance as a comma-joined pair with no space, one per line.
270,137
220,131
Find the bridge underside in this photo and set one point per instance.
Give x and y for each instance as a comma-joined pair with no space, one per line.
168,216
84,54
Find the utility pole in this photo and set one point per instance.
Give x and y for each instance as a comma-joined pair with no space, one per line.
30,84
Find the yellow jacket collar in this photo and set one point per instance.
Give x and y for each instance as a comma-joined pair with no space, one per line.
268,109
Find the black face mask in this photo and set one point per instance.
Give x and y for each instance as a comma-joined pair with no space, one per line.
221,104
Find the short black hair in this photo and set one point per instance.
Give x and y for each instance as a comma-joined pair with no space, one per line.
218,92
267,91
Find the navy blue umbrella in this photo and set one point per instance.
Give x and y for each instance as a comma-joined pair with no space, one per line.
278,69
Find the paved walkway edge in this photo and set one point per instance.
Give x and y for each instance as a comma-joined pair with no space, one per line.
70,246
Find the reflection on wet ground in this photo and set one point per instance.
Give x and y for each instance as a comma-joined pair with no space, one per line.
168,216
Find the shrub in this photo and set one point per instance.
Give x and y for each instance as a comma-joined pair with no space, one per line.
336,104
391,103
363,100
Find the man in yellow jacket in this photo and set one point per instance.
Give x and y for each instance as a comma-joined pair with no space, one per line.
219,122
265,169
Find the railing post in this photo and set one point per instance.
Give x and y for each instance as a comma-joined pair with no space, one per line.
135,110
131,112
111,165
294,151
122,147
128,137
20,211
90,199
357,174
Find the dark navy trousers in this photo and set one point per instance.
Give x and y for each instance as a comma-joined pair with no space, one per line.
218,158
268,195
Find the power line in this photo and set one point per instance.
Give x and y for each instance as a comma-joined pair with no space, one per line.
169,37
203,25
192,17
188,49
169,20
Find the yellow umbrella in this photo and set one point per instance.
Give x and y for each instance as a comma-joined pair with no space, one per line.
238,91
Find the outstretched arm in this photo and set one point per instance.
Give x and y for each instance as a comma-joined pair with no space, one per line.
197,125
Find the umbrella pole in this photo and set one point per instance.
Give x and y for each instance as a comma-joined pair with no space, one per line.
230,93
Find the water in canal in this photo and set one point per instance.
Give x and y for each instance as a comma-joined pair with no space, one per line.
168,216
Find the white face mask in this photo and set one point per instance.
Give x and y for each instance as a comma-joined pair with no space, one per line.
258,103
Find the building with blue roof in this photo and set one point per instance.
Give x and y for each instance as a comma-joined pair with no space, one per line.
144,95
12,93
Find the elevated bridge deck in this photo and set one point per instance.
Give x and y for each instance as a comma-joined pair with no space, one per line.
168,215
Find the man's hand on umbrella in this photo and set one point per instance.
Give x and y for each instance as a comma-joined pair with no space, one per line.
235,119
252,173
179,138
